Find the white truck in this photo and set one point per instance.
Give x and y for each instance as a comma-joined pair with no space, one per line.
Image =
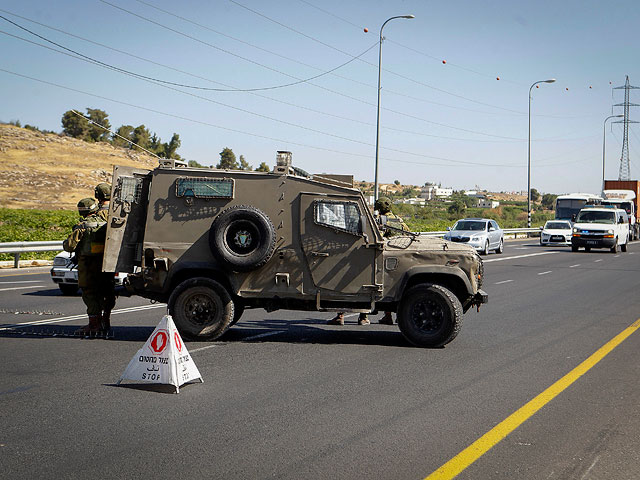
600,226
626,200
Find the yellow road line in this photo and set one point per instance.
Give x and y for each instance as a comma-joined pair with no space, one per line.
481,446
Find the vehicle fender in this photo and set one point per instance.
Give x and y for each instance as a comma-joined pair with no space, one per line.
452,278
184,270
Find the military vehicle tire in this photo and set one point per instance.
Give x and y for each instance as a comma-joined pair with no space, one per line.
238,310
242,238
201,308
429,315
68,289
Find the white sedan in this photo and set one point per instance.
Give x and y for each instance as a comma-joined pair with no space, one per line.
64,273
556,232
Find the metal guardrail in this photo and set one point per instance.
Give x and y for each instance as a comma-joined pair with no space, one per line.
507,232
16,248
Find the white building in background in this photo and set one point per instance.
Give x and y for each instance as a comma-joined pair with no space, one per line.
431,192
412,201
487,203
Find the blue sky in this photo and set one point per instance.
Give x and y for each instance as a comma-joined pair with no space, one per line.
452,123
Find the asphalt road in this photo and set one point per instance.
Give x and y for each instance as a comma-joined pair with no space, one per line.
286,396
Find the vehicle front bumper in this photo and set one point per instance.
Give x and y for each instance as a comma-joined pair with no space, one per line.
592,242
555,239
64,275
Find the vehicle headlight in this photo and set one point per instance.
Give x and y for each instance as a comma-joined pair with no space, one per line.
60,261
576,230
610,231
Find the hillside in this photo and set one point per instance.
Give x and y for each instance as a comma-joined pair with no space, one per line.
50,171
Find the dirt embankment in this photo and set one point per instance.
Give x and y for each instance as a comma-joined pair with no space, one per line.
52,172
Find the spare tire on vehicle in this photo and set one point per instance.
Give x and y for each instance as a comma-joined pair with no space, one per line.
242,238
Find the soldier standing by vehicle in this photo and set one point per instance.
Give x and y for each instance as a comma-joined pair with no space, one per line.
108,287
383,208
87,241
386,218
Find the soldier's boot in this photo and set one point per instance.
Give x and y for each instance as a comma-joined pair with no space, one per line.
387,319
363,319
106,321
93,327
337,320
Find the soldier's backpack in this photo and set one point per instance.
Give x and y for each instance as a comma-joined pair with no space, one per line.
95,234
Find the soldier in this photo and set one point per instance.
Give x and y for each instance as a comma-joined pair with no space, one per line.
87,241
383,207
103,194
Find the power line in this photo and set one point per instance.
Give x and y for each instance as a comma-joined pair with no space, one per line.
458,162
111,67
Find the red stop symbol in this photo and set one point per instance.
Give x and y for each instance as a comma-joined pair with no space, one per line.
159,341
178,341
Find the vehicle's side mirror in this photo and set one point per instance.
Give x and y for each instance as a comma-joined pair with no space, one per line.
541,228
448,229
621,220
491,229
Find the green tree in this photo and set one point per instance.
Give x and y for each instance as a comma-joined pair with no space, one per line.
74,125
124,136
549,201
263,167
141,137
457,208
155,145
169,149
244,165
95,133
227,160
535,195
193,163
397,182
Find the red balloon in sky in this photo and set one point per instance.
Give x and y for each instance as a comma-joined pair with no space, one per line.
366,30
444,61
497,78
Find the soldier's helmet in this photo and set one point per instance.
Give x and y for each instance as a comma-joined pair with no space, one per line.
87,206
103,192
383,205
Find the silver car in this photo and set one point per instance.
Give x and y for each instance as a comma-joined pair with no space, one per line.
483,234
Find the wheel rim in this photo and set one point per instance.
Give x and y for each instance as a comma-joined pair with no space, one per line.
201,309
428,315
242,237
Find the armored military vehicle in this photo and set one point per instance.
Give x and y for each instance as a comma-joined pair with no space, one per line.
212,243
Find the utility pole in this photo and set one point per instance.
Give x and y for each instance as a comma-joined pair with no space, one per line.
625,173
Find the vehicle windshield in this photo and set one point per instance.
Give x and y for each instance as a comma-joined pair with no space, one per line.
591,216
626,206
557,226
470,225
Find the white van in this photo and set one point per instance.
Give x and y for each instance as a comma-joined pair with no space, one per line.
600,226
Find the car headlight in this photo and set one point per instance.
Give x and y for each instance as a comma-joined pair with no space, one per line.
60,261
576,230
609,231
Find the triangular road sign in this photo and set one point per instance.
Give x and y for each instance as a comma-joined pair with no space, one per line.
163,359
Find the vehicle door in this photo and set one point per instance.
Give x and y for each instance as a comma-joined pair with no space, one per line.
340,247
127,218
494,234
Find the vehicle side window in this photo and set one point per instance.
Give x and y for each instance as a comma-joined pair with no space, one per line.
343,216
494,224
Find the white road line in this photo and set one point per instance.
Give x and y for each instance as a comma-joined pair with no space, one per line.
519,256
616,256
204,348
503,281
76,317
19,288
21,281
268,334
596,261
574,266
544,273
521,248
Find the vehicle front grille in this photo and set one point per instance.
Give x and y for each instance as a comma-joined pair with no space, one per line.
460,239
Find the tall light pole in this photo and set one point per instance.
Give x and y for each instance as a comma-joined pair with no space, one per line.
551,80
604,134
375,188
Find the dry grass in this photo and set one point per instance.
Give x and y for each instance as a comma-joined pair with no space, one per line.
48,171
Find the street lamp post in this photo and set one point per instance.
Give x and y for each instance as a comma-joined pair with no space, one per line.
551,80
604,134
375,188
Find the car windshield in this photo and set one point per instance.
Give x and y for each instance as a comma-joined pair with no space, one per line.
591,216
470,225
557,226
